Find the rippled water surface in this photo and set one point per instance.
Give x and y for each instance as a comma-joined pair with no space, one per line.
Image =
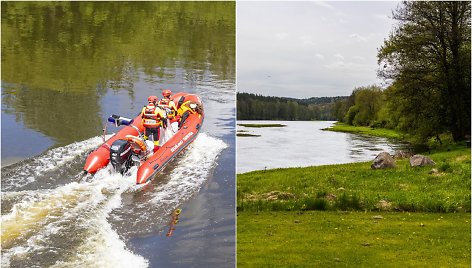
304,143
66,66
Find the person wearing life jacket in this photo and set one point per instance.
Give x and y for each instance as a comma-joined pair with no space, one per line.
187,108
153,118
168,105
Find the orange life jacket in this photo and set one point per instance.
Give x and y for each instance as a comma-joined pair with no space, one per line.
165,102
151,118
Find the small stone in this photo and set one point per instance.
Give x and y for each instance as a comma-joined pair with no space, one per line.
366,244
330,197
377,217
384,205
296,221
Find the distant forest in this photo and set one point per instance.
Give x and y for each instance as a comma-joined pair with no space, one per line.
258,107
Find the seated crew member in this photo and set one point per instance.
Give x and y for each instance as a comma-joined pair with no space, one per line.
187,108
169,105
153,118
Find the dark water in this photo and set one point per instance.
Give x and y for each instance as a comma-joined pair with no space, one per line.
66,66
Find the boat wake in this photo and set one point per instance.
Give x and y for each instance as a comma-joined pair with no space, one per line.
47,170
82,223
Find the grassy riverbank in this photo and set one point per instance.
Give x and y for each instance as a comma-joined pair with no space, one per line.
262,125
378,132
327,215
356,186
246,135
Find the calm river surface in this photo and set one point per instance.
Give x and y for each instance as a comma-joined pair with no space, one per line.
303,143
66,66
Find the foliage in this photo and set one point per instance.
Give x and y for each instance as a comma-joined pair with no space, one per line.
257,107
427,56
362,107
354,239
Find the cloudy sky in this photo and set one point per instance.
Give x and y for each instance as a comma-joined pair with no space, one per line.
309,49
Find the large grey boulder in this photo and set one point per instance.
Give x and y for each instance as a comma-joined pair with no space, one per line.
419,160
383,160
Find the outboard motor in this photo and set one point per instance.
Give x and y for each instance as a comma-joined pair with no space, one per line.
120,154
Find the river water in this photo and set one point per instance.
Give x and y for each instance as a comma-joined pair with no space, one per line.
66,66
304,143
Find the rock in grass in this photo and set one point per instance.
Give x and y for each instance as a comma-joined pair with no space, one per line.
383,160
384,205
419,160
377,217
276,195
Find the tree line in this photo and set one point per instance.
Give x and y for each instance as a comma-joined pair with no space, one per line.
258,107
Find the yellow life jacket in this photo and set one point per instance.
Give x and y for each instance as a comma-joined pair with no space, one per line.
151,116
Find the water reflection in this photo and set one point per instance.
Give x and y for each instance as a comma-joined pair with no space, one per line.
60,59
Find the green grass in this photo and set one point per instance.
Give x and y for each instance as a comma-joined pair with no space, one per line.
262,125
247,135
378,132
356,186
322,216
353,239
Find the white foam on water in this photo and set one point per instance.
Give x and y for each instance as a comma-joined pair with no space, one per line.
81,207
192,171
77,212
53,159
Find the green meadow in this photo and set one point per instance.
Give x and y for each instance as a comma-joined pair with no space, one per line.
351,215
353,239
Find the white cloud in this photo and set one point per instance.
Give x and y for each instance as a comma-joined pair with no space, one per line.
358,37
307,40
359,58
281,35
339,56
319,56
383,17
323,4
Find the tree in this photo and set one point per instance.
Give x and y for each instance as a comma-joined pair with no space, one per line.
428,57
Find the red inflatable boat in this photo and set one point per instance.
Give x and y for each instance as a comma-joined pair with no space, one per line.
127,147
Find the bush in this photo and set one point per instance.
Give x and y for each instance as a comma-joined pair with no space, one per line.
445,167
316,204
348,202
